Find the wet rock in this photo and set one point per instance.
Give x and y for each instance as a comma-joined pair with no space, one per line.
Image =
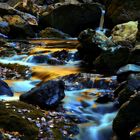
5,89
85,80
61,55
4,27
128,88
134,57
47,95
55,61
125,71
65,56
45,59
104,98
2,36
88,50
127,118
53,33
76,119
75,18
38,59
110,62
125,33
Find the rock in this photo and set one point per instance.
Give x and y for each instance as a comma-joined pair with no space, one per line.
134,57
53,33
127,118
4,27
2,36
129,68
125,71
135,133
46,59
88,50
123,11
55,61
110,62
125,33
75,18
31,7
6,9
104,98
37,59
18,26
5,89
128,88
47,95
65,56
80,81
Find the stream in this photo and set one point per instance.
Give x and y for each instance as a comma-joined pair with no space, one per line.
96,118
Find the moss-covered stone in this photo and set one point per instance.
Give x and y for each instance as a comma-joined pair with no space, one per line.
27,122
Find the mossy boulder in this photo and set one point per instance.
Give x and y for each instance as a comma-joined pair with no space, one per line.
26,122
125,33
11,120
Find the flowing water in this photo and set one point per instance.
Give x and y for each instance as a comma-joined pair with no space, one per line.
97,118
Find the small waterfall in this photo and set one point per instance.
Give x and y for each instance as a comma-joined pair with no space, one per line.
101,24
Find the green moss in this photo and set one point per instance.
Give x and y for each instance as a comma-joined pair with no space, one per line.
11,120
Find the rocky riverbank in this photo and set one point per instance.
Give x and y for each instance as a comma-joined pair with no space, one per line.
57,102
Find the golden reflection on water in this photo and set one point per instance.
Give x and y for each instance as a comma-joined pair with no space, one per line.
40,49
45,73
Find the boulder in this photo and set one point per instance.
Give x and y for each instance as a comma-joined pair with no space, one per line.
72,19
53,33
123,11
89,49
134,57
129,88
18,26
127,118
5,89
110,62
125,71
125,33
4,27
135,133
47,95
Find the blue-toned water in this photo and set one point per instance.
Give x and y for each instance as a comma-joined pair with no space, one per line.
97,118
